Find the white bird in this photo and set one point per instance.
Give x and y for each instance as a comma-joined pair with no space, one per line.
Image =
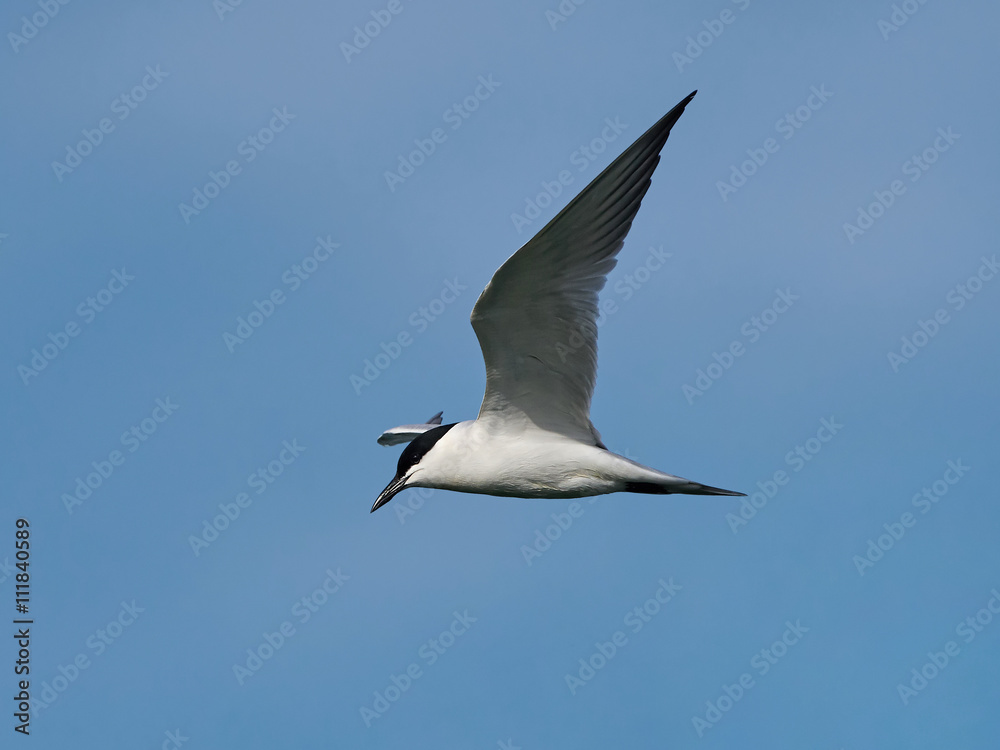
537,326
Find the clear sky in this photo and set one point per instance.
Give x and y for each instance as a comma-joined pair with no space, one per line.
238,241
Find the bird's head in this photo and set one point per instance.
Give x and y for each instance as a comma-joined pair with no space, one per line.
409,467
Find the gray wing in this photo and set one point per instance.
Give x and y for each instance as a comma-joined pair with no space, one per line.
407,432
537,318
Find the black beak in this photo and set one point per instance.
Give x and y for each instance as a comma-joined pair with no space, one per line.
389,492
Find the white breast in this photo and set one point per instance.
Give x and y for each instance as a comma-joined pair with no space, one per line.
518,461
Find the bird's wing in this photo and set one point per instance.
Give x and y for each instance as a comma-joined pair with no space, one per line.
537,318
408,432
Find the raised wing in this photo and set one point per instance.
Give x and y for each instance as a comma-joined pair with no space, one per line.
408,432
537,318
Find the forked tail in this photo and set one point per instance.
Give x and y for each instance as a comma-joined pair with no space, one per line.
681,488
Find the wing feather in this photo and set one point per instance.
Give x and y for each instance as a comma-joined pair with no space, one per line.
537,318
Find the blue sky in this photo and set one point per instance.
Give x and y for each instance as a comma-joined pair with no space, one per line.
214,218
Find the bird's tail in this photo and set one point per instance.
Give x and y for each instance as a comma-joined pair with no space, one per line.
681,487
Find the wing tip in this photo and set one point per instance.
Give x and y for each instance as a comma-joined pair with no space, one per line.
678,109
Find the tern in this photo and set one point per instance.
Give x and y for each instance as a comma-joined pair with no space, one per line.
536,321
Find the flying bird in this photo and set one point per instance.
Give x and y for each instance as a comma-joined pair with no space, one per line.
536,321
